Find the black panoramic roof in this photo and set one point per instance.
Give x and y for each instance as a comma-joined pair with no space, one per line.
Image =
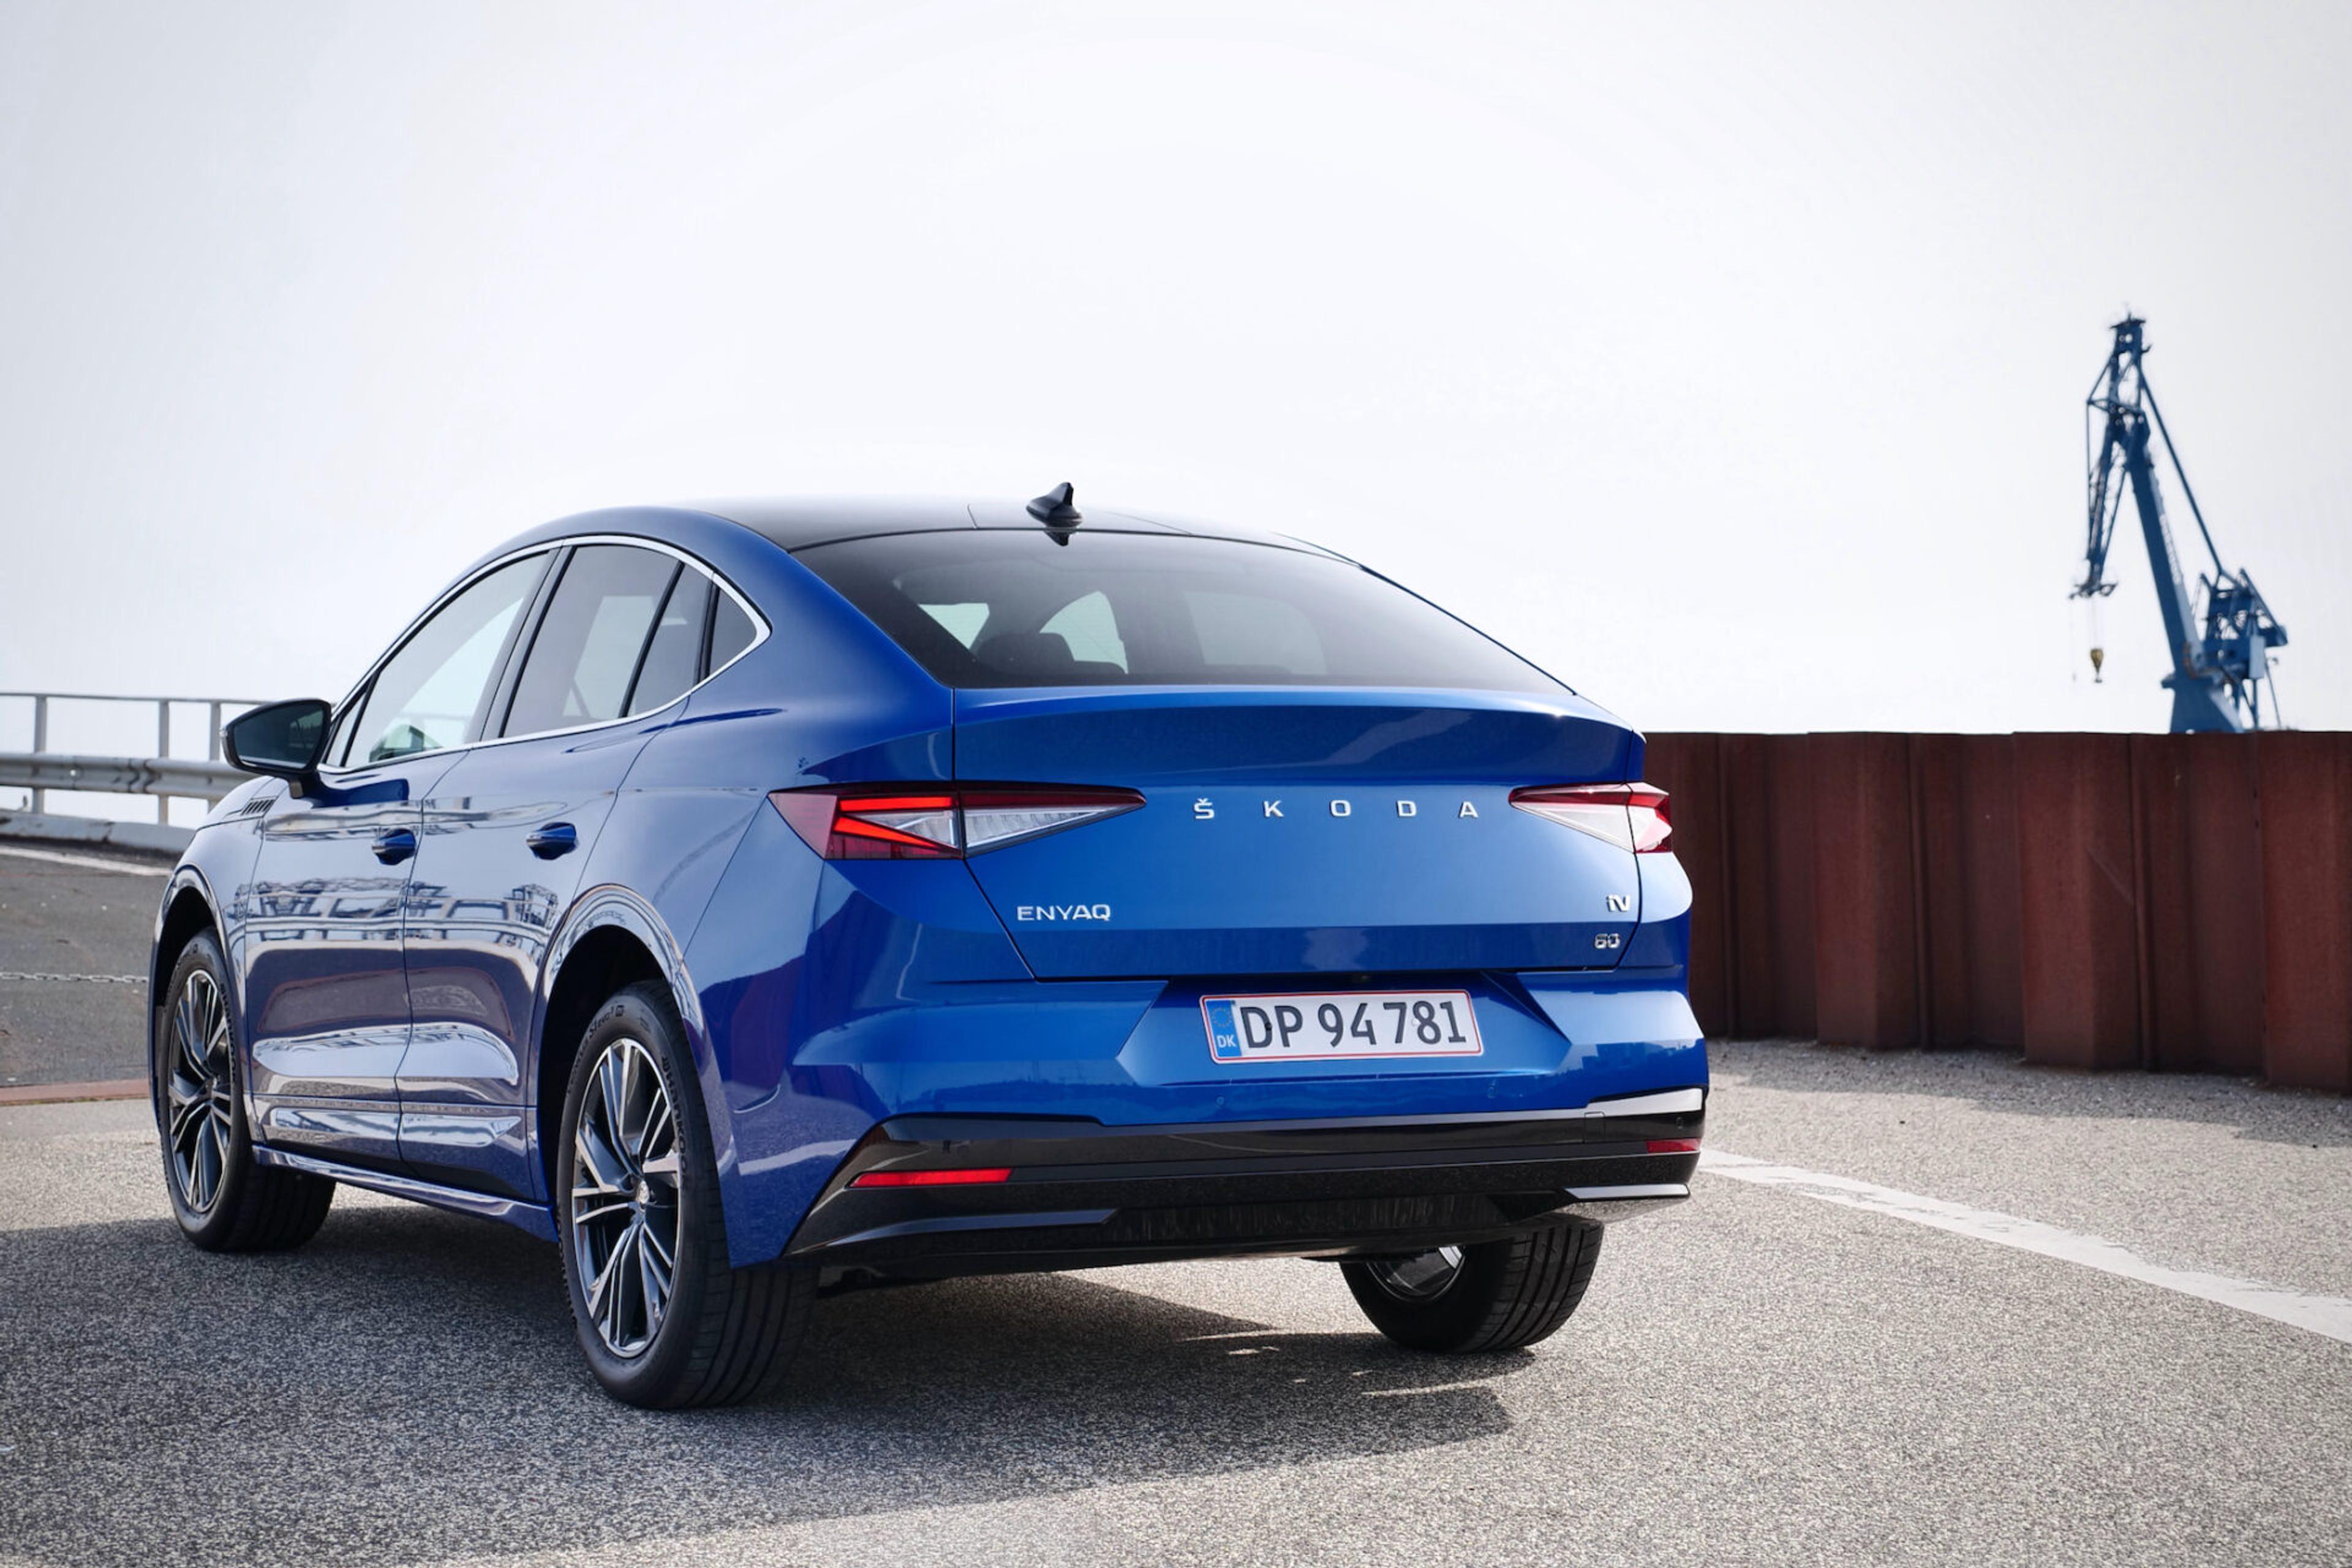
798,522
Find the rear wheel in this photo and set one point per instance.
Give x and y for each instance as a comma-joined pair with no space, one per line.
663,1316
225,1200
1491,1296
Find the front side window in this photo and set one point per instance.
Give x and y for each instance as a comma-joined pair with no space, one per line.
586,655
1004,608
429,694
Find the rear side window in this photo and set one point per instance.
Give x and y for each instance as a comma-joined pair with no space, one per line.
674,656
584,655
731,632
1013,607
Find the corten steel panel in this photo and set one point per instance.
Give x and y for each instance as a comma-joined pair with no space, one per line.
2080,976
1688,768
1866,962
1989,869
1938,895
1964,797
2307,854
1767,785
1795,988
2200,876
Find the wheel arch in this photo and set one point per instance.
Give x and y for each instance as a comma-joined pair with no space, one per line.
185,910
611,938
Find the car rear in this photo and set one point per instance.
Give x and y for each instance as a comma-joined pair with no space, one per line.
1337,929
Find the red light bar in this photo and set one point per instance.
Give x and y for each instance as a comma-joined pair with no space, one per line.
917,822
972,1178
1672,1146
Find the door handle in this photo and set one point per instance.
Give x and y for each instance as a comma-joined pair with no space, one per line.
394,846
555,838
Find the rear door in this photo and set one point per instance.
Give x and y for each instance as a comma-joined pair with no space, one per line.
507,835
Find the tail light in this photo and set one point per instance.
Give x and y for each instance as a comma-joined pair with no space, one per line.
966,1178
1630,815
906,822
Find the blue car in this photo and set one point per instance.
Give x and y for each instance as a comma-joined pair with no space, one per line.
760,900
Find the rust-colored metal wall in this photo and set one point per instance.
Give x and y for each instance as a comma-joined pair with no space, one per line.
2080,992
2305,785
2172,901
1866,969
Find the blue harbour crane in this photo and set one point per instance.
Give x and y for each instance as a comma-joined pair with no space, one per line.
2219,662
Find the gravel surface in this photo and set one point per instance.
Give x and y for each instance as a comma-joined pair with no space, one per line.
1758,1377
2217,1172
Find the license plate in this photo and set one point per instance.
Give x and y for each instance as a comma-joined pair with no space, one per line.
1332,1025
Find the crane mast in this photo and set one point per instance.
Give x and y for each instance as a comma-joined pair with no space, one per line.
2219,660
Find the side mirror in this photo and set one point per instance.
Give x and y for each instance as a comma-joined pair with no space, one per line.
283,738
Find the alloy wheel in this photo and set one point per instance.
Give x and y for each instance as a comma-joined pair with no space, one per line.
1419,1279
624,1198
198,1090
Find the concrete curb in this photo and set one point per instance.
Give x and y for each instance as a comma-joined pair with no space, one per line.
69,1093
50,826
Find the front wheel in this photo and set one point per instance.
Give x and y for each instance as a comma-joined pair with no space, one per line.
1491,1296
225,1199
664,1319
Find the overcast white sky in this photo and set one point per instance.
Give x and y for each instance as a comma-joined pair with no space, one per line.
1727,360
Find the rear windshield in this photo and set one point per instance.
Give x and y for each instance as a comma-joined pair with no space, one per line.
1013,607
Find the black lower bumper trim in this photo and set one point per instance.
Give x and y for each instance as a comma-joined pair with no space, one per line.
1080,1193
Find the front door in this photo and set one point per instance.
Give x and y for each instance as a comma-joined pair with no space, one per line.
326,1006
324,975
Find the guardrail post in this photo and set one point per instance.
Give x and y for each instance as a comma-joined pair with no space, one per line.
163,749
212,733
40,797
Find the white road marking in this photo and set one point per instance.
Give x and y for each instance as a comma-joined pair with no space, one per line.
86,979
2329,1315
87,862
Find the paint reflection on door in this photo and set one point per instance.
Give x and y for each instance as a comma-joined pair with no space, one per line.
482,910
325,995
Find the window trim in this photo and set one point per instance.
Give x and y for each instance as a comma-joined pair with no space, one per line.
527,627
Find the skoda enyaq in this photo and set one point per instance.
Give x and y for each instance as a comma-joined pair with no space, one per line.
763,899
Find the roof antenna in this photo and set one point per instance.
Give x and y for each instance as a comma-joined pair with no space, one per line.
1054,509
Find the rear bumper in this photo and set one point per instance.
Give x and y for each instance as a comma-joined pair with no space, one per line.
1080,1193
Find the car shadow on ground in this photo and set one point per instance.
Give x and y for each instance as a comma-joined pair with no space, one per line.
407,1387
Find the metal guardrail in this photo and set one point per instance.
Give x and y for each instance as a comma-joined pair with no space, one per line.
175,777
163,776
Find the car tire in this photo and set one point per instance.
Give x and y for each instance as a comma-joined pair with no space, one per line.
223,1199
636,1201
1490,1296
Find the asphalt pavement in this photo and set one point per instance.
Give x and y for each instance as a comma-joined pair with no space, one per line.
75,927
1794,1373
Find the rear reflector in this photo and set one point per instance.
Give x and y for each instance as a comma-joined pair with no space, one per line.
1630,815
1672,1146
915,822
974,1178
